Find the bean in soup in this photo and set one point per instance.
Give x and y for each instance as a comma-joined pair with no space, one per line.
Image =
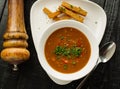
67,50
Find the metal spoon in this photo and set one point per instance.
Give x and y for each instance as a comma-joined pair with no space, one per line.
106,52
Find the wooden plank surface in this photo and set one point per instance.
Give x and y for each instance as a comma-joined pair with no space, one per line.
32,76
3,19
2,6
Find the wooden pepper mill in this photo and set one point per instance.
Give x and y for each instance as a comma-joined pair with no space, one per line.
15,37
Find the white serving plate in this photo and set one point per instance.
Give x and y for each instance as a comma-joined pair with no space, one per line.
95,19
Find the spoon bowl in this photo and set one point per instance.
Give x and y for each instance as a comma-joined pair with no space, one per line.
107,51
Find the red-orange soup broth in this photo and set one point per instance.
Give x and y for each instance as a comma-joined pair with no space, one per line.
67,50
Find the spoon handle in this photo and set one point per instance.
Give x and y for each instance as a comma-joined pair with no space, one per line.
87,77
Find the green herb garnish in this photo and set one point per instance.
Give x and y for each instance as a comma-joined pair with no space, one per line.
59,50
68,52
73,62
76,51
62,9
62,37
71,6
65,66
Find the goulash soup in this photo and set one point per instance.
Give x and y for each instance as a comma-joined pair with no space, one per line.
67,50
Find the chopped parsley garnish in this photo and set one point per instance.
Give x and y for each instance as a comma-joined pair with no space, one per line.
62,9
62,37
65,66
73,62
68,52
71,6
76,51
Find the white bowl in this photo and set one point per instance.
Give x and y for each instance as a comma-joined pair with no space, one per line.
58,77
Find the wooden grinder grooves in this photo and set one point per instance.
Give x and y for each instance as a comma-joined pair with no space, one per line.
15,37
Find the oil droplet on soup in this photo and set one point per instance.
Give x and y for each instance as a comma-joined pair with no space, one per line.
67,50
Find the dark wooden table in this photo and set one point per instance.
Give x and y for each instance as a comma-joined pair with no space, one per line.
32,76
